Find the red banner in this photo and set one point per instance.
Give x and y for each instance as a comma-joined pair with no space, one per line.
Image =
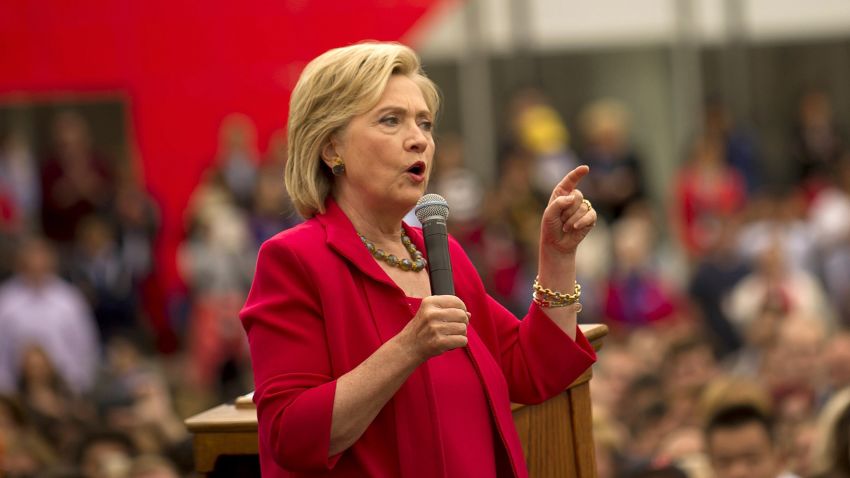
183,66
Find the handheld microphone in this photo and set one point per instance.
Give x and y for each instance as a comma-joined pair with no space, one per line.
432,211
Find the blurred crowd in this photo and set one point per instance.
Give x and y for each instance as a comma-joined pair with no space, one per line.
84,391
727,307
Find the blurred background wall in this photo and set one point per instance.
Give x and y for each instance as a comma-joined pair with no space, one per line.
662,58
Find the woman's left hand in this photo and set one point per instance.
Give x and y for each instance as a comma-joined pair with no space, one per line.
567,218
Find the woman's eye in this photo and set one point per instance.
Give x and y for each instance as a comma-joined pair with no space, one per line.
390,120
426,125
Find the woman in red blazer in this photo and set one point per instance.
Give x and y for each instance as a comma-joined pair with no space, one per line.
359,370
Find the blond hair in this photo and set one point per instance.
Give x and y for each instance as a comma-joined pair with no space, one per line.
333,88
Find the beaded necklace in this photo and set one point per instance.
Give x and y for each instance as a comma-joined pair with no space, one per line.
416,262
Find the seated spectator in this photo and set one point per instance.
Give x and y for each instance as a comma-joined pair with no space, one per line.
97,268
636,296
272,209
688,368
778,218
776,285
37,307
836,358
237,158
55,412
75,180
132,397
706,191
23,451
105,454
135,216
615,181
741,444
152,466
830,231
832,446
538,129
19,175
608,440
791,371
740,145
715,275
685,448
20,194
816,139
217,262
652,471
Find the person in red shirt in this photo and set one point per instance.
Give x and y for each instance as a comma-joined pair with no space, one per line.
706,191
359,370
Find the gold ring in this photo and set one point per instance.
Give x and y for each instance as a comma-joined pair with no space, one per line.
587,203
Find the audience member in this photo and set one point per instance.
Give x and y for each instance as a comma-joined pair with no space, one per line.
538,129
706,191
830,232
816,140
775,286
741,444
152,466
778,218
237,159
97,268
636,294
58,414
135,218
832,446
217,262
739,144
836,361
105,454
715,276
19,175
37,307
76,181
272,210
616,178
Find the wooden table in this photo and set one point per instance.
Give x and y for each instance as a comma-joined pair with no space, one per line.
556,436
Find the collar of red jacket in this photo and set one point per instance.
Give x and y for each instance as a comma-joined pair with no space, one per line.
343,239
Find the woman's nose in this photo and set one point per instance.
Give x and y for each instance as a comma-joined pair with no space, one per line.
416,141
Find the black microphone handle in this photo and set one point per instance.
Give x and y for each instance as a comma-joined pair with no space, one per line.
439,263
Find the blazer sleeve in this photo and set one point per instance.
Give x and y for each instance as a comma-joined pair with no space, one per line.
537,358
292,370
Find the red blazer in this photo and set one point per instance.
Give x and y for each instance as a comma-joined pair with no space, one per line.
320,305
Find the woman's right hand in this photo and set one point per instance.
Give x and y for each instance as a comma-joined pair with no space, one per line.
439,326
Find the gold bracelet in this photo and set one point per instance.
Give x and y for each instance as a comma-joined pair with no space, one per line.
546,304
549,295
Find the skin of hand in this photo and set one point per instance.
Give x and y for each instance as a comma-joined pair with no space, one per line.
440,325
566,221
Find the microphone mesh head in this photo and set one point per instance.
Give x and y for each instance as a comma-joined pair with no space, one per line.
431,206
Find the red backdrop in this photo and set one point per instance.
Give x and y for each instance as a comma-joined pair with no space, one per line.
183,65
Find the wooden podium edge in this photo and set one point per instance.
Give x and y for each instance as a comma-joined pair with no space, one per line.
232,428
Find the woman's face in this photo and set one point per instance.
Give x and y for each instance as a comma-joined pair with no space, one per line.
388,150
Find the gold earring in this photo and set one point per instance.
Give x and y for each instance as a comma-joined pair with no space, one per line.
338,166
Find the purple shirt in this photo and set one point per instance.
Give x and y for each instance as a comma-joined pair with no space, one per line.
54,316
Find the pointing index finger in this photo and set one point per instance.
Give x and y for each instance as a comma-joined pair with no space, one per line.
572,178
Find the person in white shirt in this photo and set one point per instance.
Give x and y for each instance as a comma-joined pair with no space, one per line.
37,307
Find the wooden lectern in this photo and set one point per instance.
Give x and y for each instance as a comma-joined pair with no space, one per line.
557,435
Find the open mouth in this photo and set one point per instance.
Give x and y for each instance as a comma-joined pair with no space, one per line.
417,168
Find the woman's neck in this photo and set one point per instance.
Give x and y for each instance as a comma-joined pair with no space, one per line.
380,226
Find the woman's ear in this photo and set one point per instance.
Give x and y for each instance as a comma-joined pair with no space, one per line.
329,152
